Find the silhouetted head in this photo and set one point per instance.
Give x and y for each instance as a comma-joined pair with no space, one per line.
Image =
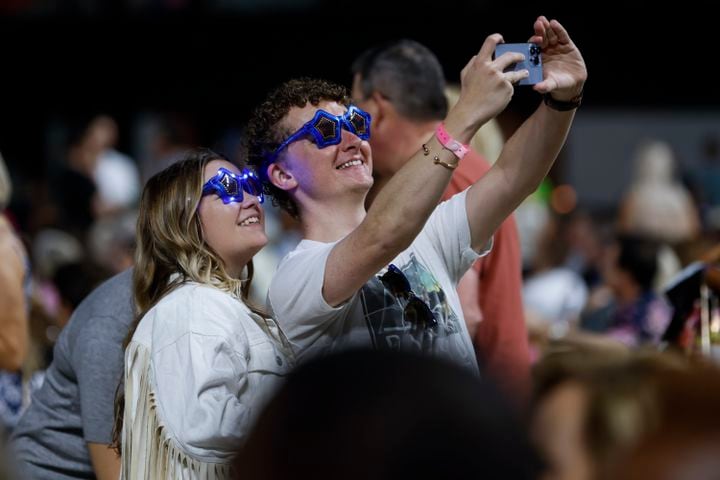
386,415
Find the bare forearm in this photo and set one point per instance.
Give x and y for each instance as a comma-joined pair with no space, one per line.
531,152
105,461
402,207
524,162
395,218
408,199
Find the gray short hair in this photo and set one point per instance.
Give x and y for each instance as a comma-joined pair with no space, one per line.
408,74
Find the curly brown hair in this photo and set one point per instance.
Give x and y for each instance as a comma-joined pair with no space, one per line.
265,132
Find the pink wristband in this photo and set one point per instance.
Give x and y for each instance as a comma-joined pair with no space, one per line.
457,148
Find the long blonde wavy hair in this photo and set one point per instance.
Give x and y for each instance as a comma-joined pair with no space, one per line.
170,246
171,249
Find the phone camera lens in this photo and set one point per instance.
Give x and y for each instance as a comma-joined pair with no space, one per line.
534,55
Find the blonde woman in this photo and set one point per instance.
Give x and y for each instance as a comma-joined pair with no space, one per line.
201,361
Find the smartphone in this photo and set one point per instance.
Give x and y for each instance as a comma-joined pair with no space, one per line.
532,62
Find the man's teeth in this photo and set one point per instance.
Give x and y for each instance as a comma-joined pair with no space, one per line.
349,164
249,221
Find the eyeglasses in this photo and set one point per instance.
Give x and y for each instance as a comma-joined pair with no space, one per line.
416,310
325,129
229,186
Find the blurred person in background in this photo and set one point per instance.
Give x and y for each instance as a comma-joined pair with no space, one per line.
14,293
402,86
115,174
585,234
74,281
656,205
634,313
659,207
553,294
685,445
74,191
111,242
66,431
165,139
51,250
386,415
705,178
593,404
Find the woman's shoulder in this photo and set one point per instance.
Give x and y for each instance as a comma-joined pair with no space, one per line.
194,308
192,292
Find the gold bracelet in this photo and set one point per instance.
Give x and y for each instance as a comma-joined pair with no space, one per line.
449,166
437,161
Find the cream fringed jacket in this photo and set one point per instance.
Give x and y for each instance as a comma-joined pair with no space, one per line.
198,370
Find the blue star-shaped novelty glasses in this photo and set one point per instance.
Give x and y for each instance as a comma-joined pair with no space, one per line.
229,186
325,129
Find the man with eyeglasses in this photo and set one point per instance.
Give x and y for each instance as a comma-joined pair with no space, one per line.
386,277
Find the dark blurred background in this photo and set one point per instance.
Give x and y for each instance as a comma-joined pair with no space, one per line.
214,59
207,63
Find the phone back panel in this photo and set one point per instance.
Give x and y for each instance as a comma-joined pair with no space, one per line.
532,62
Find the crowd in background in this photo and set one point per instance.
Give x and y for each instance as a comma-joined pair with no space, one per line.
583,270
595,297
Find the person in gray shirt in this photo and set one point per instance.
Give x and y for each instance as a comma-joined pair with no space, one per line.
67,429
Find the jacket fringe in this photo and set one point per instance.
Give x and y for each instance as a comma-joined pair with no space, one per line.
147,451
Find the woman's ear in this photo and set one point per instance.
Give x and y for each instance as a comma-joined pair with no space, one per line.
281,177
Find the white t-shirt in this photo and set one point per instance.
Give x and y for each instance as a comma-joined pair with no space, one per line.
433,264
198,371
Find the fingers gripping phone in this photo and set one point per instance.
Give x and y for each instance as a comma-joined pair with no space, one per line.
532,62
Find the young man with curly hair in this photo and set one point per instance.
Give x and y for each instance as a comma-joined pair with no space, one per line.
386,277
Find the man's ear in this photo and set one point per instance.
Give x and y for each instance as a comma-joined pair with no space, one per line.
382,109
281,177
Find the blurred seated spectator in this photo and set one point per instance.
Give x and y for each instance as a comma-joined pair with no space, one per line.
115,174
593,405
553,294
585,235
74,281
166,138
74,191
686,443
52,249
386,415
111,242
656,205
14,277
633,313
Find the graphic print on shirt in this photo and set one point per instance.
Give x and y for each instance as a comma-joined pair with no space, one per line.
385,313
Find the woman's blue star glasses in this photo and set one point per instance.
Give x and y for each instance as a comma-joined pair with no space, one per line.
229,186
325,129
